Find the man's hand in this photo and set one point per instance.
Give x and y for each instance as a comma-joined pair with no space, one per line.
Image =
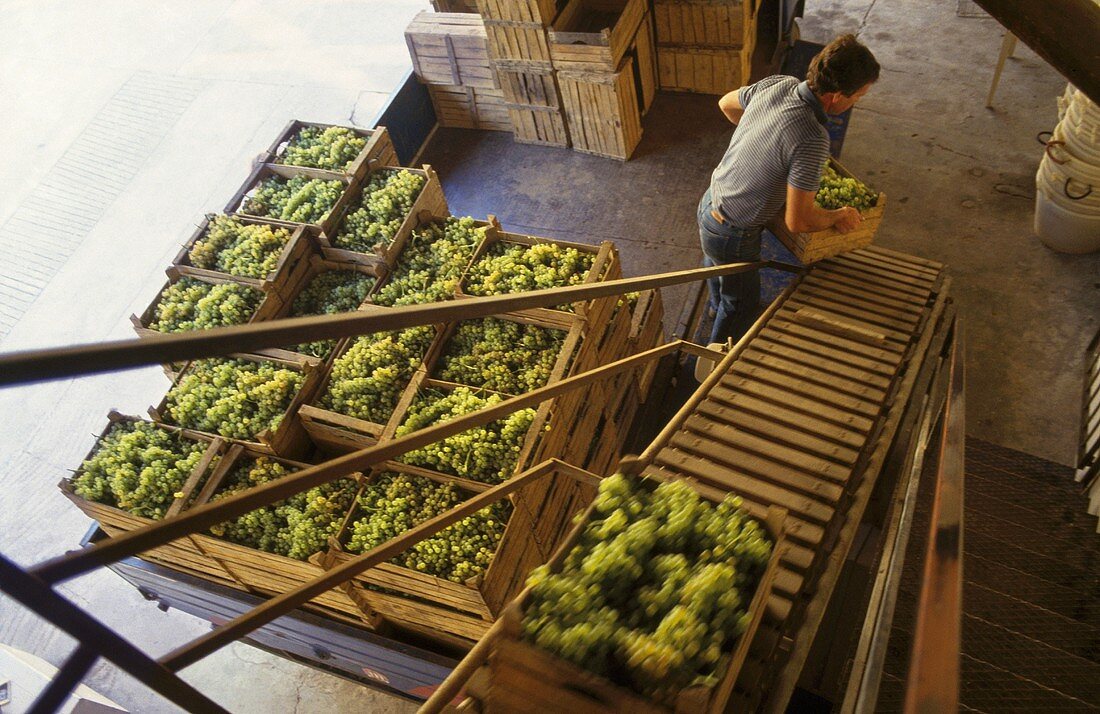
846,219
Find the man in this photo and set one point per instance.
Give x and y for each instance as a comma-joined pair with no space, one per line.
778,154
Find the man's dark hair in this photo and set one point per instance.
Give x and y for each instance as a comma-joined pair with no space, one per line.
844,65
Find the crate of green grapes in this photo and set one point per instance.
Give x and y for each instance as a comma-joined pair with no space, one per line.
251,251
276,548
373,224
201,302
245,399
138,472
839,187
292,196
450,585
361,388
650,605
332,147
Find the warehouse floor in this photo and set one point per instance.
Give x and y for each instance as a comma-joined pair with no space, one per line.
119,138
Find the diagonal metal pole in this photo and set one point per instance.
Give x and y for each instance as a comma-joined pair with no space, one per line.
39,598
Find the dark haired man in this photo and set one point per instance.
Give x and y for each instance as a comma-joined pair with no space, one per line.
777,155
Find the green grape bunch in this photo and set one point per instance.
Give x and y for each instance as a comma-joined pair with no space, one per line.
250,250
139,468
297,527
486,453
386,200
234,398
367,379
656,589
333,148
516,268
393,503
190,304
329,293
501,355
432,262
837,191
299,199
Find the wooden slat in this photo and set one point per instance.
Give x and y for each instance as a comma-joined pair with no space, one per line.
782,413
862,330
780,433
811,358
914,288
861,295
782,397
886,295
813,375
887,268
903,318
800,387
881,361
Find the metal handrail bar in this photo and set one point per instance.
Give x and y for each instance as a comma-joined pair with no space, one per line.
933,679
59,362
202,517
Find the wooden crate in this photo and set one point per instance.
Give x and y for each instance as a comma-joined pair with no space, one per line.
594,35
539,125
431,201
818,245
454,5
523,677
518,41
470,108
379,150
270,302
715,23
647,332
706,70
603,111
645,63
264,171
267,573
288,439
522,85
450,49
541,12
296,250
182,554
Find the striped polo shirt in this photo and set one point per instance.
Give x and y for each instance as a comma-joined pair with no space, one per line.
781,139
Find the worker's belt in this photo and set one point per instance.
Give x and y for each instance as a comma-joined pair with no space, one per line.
717,215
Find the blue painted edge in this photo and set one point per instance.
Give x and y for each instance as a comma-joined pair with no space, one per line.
408,116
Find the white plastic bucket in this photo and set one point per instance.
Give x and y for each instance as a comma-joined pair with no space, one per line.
1071,188
1063,230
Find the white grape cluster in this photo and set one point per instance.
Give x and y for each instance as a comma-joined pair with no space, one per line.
431,264
501,355
299,199
231,397
190,304
486,453
332,148
328,293
655,591
838,191
297,527
139,468
515,268
367,380
249,250
393,503
386,200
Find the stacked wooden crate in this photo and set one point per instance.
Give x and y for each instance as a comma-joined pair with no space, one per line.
705,46
450,56
519,48
603,53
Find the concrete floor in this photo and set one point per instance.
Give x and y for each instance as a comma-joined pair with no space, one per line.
186,94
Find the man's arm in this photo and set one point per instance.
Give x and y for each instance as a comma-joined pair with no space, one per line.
730,104
803,216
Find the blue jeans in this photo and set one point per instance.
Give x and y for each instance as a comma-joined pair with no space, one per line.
735,298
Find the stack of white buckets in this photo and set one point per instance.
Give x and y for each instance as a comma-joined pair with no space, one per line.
1067,196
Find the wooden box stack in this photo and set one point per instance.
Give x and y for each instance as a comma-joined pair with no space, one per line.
603,53
450,56
519,47
705,46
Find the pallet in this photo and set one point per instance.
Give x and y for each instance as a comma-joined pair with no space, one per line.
470,108
264,171
379,150
430,201
818,245
713,23
524,677
603,111
450,49
594,35
288,439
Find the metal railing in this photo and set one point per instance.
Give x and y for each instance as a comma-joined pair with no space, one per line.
33,587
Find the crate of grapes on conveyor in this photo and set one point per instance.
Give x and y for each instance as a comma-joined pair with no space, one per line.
292,196
838,188
649,605
343,149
